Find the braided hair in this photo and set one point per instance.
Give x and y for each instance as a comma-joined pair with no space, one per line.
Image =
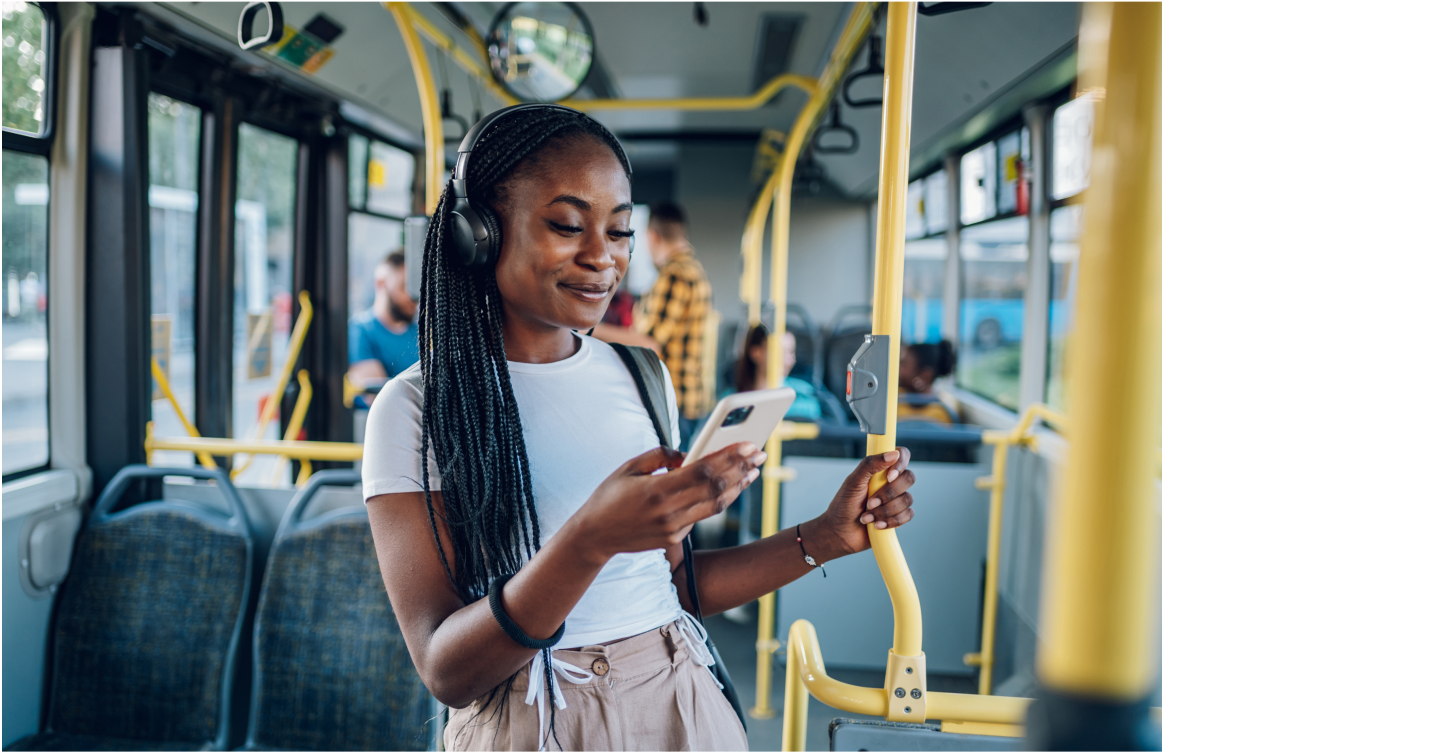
469,419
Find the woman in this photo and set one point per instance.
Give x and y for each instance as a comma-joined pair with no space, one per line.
751,373
545,515
921,364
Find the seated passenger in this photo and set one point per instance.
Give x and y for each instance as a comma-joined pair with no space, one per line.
382,340
921,365
751,374
532,555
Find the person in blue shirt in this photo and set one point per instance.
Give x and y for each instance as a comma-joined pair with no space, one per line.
751,374
382,339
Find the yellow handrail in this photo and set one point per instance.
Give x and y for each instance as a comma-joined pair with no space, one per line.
852,35
429,102
297,421
1021,435
1101,565
299,449
297,339
751,243
754,101
441,40
806,672
996,483
160,379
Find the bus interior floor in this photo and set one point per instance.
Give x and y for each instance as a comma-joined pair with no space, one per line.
737,640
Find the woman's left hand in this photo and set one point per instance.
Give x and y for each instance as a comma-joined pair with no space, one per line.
843,525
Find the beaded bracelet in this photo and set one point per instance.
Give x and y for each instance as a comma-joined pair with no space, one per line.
508,625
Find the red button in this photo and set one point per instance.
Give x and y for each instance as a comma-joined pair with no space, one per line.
848,382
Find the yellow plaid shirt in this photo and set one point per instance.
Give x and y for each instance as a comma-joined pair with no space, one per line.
674,314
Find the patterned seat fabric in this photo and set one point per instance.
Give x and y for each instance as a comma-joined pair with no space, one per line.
143,630
333,672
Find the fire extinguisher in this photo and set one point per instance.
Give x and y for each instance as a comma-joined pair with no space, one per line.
1023,186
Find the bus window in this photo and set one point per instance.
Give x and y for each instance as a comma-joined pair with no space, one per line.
1065,250
264,250
174,201
381,196
26,345
993,263
24,265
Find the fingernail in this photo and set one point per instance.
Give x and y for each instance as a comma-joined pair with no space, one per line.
872,503
891,475
881,524
752,475
891,456
759,457
748,449
867,518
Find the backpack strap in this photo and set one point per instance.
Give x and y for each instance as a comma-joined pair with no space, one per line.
645,368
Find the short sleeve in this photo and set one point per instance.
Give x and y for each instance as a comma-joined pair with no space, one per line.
360,346
392,440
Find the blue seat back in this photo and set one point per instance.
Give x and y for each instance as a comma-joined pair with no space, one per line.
331,667
147,624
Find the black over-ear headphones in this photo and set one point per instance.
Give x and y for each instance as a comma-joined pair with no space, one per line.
474,231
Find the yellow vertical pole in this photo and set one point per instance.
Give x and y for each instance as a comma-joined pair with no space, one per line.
886,309
1101,565
772,474
993,567
751,243
429,103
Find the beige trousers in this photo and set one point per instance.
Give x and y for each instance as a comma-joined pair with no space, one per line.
646,694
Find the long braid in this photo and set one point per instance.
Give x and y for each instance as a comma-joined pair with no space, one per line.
470,423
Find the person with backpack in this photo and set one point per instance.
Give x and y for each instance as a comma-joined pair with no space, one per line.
529,516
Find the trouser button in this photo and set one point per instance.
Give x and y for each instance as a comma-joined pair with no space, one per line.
600,667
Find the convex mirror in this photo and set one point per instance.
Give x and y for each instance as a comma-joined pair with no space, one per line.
541,52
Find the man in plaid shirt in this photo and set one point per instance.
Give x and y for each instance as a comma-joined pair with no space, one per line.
671,317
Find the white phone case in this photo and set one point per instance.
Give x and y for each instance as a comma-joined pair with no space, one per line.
768,407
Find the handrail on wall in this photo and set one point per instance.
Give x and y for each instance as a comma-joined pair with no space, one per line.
1020,434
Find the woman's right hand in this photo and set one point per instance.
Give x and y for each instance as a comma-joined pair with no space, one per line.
636,511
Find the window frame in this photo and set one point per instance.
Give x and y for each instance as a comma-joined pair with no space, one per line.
40,144
417,175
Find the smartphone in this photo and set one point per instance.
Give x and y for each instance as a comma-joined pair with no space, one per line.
741,417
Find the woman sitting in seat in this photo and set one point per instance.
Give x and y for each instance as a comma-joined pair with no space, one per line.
921,365
751,374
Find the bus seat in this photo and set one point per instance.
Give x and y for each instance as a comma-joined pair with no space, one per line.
147,625
331,670
853,734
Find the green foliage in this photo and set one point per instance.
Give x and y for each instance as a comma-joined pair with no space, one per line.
267,174
23,78
995,374
25,224
174,143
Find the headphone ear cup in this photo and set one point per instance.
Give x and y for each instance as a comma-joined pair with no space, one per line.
474,237
632,245
487,249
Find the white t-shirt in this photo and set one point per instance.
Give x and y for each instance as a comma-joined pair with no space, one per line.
582,419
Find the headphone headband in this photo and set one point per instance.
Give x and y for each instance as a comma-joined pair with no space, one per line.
473,136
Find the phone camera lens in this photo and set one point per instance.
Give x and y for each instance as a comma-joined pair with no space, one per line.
737,416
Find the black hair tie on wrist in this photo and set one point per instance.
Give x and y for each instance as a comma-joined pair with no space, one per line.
508,625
